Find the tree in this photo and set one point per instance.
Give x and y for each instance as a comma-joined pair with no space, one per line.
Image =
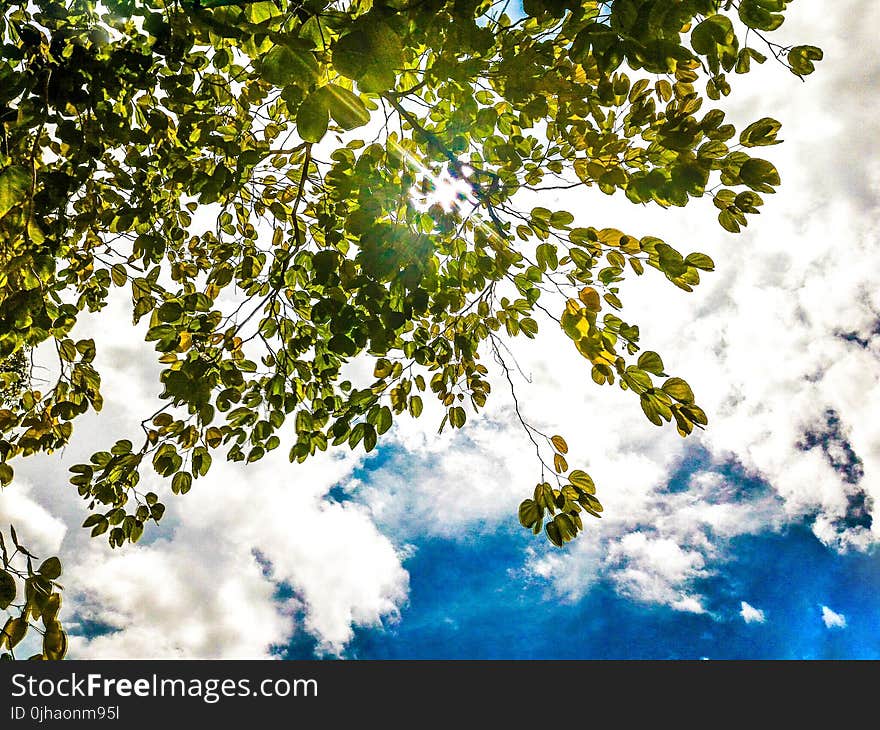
38,600
322,141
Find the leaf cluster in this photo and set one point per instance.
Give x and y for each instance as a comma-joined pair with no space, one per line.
243,173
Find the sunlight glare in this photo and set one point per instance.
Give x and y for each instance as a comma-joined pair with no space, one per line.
443,189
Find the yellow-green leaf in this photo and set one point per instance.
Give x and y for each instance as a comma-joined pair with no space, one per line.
590,298
284,65
312,117
651,362
559,463
346,108
582,480
15,182
801,58
679,389
14,631
760,133
529,513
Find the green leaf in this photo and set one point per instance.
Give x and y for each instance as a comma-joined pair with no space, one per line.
351,56
6,474
415,406
552,529
15,183
529,513
67,350
561,219
760,133
754,15
50,569
728,222
651,362
369,437
714,31
544,496
284,65
457,416
582,480
137,530
679,389
649,407
383,420
101,526
118,274
92,520
346,108
181,483
759,175
371,55
342,345
312,117
169,312
801,58
528,326
700,261
7,589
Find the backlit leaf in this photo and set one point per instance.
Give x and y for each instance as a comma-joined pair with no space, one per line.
284,65
14,185
651,362
346,108
801,59
679,389
312,117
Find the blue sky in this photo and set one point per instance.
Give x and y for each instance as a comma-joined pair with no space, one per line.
470,599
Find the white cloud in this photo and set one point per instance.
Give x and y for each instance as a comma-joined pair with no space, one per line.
833,620
209,590
750,614
654,570
37,529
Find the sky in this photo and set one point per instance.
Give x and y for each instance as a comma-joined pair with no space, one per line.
755,539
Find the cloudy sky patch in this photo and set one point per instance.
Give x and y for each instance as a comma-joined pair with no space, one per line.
833,620
750,614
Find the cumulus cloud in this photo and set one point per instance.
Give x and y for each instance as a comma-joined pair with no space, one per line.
653,570
833,620
750,614
37,529
212,588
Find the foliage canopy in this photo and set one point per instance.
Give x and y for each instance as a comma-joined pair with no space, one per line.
262,178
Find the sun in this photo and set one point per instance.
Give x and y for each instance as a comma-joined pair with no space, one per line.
443,189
